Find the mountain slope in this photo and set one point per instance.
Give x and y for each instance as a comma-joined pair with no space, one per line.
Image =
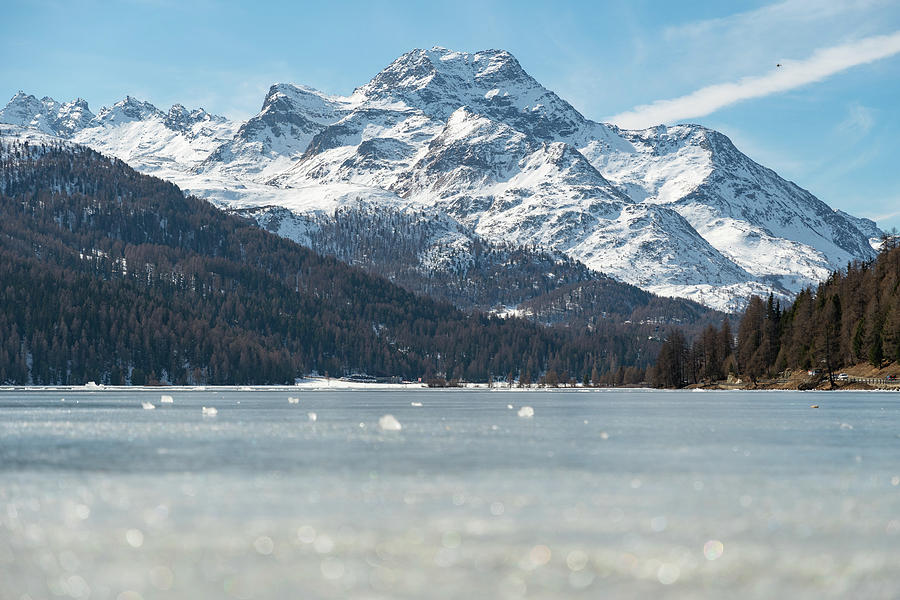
511,188
769,226
266,144
675,210
113,276
434,255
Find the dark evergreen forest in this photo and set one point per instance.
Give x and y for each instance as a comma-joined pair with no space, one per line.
116,277
851,318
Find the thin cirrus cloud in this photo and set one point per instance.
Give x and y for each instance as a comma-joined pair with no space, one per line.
887,216
788,13
792,74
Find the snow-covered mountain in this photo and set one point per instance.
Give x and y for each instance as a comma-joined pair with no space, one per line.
473,138
47,115
269,142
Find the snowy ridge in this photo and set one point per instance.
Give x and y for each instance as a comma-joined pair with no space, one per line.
126,111
867,226
473,139
47,115
267,143
135,131
768,226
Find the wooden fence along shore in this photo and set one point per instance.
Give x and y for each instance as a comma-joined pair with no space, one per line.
881,382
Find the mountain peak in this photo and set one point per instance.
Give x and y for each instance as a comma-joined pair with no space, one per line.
21,109
72,116
127,110
447,71
292,98
292,89
180,118
488,82
46,114
291,115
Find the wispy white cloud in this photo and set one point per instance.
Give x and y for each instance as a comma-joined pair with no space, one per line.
860,120
823,63
789,13
886,216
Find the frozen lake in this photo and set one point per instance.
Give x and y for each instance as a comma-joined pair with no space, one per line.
619,494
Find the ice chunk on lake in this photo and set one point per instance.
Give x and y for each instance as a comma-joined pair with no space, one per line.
526,411
312,416
415,404
209,411
166,399
389,423
147,406
293,400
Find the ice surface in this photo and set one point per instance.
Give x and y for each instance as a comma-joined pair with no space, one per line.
693,500
389,423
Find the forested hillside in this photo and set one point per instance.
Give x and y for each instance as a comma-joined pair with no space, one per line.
432,255
587,303
852,318
427,254
112,276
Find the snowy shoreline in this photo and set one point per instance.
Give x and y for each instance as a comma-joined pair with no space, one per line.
306,385
337,385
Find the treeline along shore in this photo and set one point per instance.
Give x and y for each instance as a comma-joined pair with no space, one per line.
112,276
844,333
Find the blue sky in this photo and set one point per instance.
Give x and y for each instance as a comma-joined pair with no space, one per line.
829,119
